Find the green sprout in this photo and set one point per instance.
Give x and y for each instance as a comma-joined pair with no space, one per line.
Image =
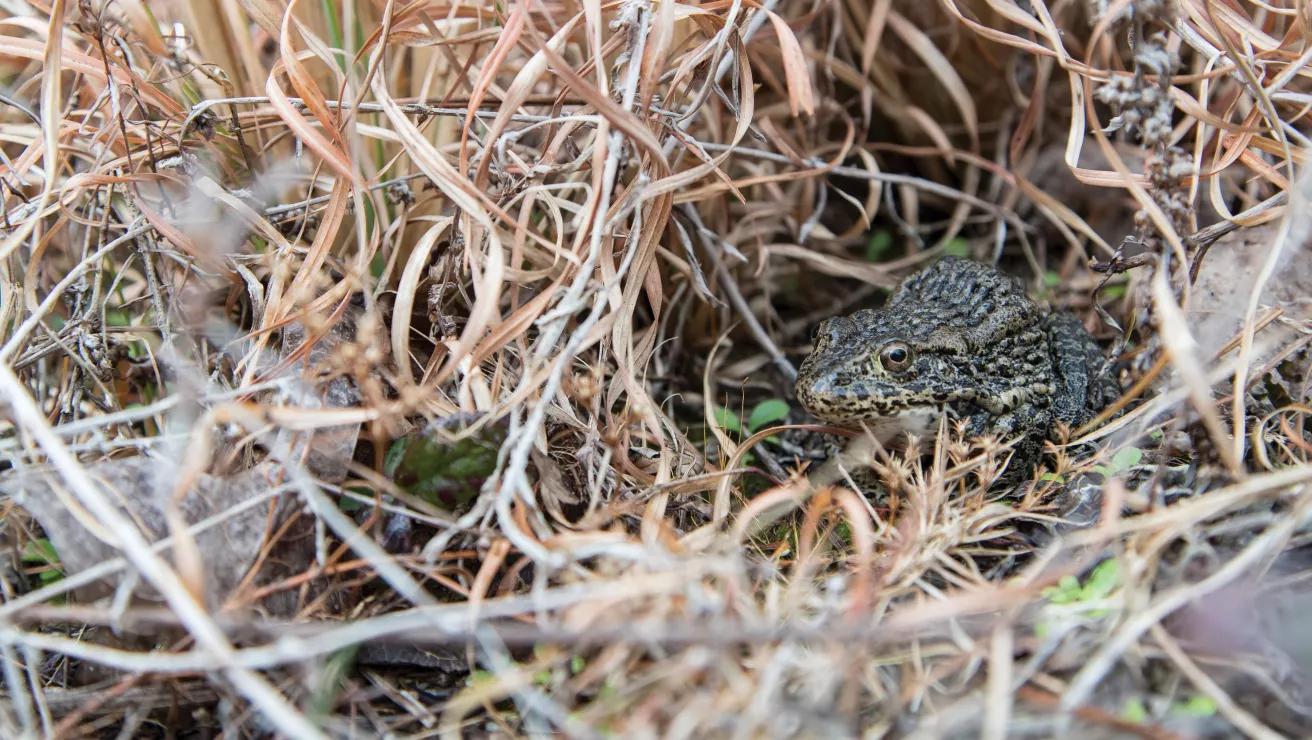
1123,460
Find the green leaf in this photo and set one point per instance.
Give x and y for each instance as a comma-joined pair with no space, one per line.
1113,291
334,26
1134,711
878,246
40,551
445,473
1196,706
1052,477
331,681
1066,591
471,465
728,420
1051,279
577,664
766,413
957,247
1126,458
1102,581
351,504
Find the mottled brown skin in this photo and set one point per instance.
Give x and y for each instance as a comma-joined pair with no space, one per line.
960,338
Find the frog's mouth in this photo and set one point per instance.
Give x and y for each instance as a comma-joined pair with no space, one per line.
921,421
851,405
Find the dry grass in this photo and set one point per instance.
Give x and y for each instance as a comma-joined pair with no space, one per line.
364,365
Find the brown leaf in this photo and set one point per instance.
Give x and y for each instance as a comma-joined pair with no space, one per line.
141,487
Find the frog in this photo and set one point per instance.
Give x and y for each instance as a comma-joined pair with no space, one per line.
963,339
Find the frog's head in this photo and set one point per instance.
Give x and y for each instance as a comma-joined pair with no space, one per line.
884,367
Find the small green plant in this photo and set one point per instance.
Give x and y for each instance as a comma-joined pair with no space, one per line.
957,247
351,505
879,245
1195,706
1114,290
763,414
445,474
1124,459
1100,584
1051,279
40,552
728,419
332,681
1134,711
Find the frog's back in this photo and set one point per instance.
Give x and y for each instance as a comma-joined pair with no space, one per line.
967,291
964,293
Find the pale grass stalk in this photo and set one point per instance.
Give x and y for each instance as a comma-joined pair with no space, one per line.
998,692
1226,705
1174,331
19,698
32,657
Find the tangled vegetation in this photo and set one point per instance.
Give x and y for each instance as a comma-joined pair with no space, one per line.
425,369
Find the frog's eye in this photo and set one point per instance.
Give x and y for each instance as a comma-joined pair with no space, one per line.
895,357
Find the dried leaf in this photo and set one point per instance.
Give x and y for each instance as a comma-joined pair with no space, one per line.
142,486
800,97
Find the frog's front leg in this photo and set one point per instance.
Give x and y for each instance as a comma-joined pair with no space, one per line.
1030,423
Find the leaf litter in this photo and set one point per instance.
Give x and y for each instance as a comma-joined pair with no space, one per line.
422,369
